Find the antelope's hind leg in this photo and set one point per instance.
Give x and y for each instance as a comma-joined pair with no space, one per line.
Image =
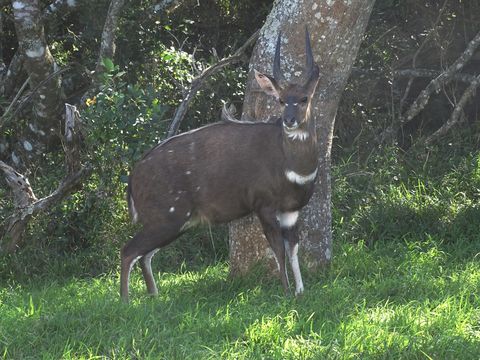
146,266
143,246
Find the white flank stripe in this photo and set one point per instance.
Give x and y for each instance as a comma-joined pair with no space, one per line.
287,219
296,178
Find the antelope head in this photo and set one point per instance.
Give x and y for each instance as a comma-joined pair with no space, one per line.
294,98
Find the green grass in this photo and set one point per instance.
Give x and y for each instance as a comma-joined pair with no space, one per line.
404,284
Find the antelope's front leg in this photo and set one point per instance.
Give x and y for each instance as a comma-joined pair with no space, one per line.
290,236
273,233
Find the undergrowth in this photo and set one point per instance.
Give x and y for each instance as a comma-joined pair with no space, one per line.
404,281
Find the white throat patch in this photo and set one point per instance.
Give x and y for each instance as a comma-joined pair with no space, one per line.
296,178
297,135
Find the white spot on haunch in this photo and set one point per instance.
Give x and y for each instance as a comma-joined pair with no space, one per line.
170,151
27,146
34,52
198,188
328,254
188,214
296,178
17,5
172,209
188,172
287,219
177,198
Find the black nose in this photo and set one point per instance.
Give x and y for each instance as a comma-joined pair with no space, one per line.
289,121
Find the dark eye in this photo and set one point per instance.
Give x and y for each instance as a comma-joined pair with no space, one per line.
304,100
281,102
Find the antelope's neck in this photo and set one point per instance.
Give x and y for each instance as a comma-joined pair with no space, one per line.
301,149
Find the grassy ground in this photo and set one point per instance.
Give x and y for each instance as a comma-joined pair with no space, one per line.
404,283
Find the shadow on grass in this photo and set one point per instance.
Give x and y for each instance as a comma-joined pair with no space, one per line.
393,221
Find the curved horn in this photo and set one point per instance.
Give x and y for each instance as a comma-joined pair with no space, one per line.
308,52
276,61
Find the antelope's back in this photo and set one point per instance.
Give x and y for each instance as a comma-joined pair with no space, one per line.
214,170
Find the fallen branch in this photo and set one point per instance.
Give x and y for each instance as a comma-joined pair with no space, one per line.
427,73
456,113
197,83
415,73
23,197
434,86
73,139
25,202
417,53
17,223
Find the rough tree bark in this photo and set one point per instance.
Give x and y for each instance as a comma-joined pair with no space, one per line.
336,28
13,76
39,63
2,64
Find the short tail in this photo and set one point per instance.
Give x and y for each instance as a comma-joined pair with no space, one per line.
131,205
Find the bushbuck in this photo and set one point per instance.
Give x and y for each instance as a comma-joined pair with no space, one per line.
226,170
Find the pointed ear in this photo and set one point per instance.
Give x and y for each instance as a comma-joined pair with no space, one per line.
312,80
268,84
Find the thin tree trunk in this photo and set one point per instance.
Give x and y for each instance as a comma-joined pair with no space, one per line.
107,45
336,28
39,64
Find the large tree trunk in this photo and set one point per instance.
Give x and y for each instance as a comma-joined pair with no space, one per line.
40,66
336,28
